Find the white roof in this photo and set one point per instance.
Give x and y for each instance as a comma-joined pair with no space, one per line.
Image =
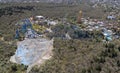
40,16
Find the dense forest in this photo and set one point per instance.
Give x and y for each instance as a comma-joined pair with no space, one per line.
85,54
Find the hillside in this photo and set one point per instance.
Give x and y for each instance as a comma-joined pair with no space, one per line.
86,52
46,1
116,2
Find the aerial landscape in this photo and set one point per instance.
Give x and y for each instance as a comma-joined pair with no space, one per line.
59,36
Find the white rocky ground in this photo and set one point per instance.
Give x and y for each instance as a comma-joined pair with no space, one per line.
33,52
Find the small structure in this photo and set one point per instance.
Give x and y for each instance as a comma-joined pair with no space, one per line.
49,30
111,17
100,23
107,34
40,18
51,22
85,21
